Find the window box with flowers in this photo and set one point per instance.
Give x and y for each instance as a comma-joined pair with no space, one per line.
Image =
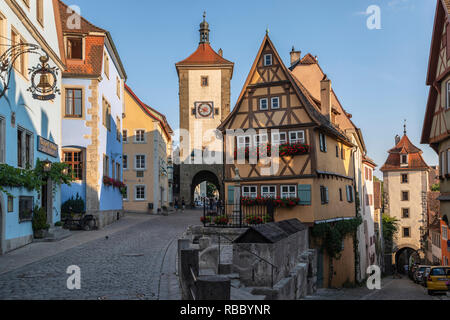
110,182
285,150
278,202
221,220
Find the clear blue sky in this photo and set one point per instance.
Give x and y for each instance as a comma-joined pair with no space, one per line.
378,75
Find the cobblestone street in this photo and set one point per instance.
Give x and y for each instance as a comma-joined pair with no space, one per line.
137,262
391,289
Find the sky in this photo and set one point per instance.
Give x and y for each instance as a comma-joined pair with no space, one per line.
378,74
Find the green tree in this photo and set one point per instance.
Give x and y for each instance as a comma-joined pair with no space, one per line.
436,187
390,230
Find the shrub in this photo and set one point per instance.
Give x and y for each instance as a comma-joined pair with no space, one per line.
73,205
59,224
40,219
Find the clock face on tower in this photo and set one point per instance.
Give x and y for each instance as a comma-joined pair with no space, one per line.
204,109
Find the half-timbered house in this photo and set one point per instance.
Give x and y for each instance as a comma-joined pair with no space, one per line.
436,128
316,168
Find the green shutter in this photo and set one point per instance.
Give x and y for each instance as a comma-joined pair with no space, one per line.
230,194
304,193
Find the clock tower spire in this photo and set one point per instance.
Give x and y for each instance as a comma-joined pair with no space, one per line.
204,30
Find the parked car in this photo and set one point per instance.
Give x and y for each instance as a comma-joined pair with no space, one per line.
412,270
425,277
437,279
419,273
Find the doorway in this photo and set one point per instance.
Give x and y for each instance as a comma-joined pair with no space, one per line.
47,200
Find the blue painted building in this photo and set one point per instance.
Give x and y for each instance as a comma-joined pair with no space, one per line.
28,126
91,112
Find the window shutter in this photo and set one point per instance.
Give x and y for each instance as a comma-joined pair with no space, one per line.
327,198
348,193
325,143
230,194
304,193
321,142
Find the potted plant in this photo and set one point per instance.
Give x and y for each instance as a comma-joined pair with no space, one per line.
40,225
206,219
221,220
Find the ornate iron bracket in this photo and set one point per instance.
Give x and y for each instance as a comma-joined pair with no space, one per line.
9,58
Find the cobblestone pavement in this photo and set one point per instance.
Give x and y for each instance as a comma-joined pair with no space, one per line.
136,263
391,289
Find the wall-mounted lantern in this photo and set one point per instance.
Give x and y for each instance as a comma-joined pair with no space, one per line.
47,165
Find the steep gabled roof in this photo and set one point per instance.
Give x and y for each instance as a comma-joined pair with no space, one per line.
152,113
306,98
415,160
440,20
93,62
66,15
204,55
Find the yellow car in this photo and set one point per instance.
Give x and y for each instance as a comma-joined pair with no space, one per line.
438,279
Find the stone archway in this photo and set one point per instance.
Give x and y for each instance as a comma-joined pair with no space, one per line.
404,255
204,176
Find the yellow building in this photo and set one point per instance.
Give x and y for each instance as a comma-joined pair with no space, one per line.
146,149
277,106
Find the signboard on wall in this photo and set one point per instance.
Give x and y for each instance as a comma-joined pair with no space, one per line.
47,147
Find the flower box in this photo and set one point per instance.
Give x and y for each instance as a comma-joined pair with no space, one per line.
285,150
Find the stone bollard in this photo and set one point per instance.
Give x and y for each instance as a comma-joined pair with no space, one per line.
213,288
189,269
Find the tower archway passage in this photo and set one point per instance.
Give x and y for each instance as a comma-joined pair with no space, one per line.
406,256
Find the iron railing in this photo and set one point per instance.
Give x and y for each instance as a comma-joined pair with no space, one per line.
237,215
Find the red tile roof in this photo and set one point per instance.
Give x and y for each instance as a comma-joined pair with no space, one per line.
152,113
415,160
204,55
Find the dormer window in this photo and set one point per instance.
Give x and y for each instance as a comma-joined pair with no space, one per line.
75,48
267,60
404,159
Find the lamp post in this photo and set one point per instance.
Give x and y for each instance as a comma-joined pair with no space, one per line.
47,165
237,196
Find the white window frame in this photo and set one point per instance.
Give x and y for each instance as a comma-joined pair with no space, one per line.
276,138
448,160
247,191
323,142
288,194
448,95
268,193
139,168
257,139
403,163
124,137
272,103
126,193
266,61
136,136
244,141
26,132
300,136
261,104
136,193
125,163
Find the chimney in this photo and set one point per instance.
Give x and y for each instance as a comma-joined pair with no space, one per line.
221,52
325,97
295,56
397,139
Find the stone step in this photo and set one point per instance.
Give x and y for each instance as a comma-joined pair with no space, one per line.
55,234
241,294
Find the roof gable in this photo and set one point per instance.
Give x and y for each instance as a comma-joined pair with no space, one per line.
204,55
405,147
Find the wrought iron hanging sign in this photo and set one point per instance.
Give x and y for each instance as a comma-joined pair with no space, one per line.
46,88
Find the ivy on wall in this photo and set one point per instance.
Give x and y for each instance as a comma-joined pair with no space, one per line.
34,179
